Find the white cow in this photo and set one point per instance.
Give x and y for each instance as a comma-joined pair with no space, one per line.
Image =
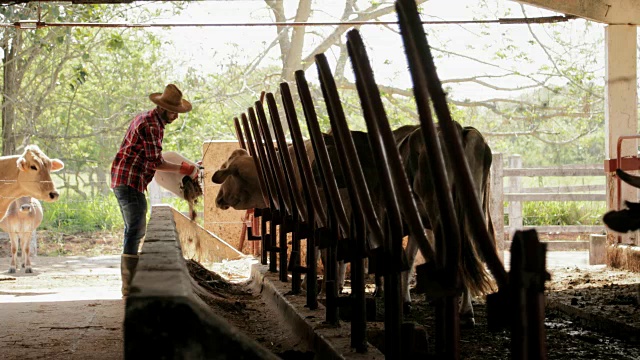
21,220
28,174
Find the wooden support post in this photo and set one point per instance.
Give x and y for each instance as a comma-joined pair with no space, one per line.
597,249
496,207
621,107
515,207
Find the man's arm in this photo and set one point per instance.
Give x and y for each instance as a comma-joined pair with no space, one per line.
184,168
168,166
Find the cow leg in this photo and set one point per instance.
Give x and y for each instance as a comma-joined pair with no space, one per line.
379,290
372,262
14,252
340,276
25,245
322,255
467,319
411,251
342,271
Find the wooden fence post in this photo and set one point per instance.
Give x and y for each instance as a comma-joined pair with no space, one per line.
515,207
496,205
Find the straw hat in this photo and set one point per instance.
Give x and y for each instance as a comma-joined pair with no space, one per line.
171,99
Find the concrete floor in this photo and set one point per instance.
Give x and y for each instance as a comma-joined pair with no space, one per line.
559,259
69,308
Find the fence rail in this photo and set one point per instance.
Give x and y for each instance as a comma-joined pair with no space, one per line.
587,170
553,197
514,194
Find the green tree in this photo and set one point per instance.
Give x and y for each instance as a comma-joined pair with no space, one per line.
73,90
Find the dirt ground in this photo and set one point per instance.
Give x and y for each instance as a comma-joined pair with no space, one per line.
584,291
51,243
92,283
246,310
68,308
610,294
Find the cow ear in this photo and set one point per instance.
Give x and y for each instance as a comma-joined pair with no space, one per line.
221,175
236,153
56,165
22,164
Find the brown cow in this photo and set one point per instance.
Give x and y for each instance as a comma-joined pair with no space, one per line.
474,275
240,185
240,190
28,174
21,220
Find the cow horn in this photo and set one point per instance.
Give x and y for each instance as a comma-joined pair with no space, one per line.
628,178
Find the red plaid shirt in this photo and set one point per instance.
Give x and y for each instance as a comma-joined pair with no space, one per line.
140,152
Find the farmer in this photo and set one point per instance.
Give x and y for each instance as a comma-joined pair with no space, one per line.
134,166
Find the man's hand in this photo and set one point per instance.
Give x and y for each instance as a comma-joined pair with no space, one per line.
191,170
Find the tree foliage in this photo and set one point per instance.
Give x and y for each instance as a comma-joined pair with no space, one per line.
74,90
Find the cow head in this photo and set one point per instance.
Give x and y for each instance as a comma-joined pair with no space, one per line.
34,176
628,178
628,219
240,187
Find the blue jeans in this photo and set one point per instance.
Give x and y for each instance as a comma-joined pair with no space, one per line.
133,206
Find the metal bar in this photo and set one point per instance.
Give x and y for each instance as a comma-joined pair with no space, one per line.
393,241
236,125
429,79
358,304
535,269
297,204
283,192
251,146
266,195
276,198
322,156
335,211
266,236
627,163
287,164
315,212
517,298
272,158
351,168
357,228
448,332
304,165
243,233
502,21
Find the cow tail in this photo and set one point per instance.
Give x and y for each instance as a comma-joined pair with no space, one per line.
475,276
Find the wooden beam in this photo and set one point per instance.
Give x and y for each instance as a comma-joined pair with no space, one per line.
620,12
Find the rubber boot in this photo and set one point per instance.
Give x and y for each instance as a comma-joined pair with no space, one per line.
128,265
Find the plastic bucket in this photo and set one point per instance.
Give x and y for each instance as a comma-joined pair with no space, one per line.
169,180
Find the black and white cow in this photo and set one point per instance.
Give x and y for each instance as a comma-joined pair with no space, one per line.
240,190
628,219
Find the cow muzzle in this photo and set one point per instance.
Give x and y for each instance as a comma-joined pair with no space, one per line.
222,205
220,201
53,195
